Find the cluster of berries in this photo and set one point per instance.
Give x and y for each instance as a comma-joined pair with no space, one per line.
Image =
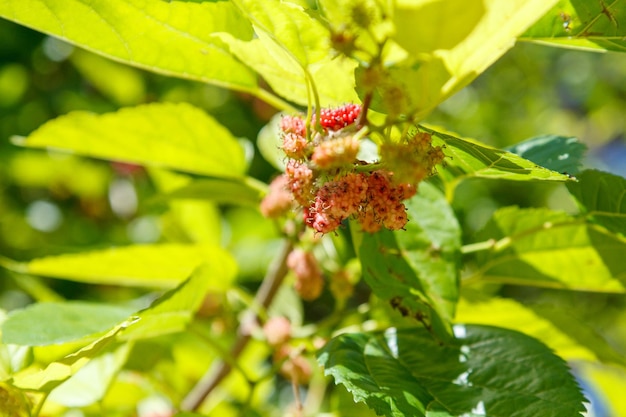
325,178
293,365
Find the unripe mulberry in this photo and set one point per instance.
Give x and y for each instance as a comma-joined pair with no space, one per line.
277,330
300,178
336,152
279,199
293,124
336,119
309,279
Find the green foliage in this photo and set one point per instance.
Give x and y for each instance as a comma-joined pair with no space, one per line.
482,372
188,301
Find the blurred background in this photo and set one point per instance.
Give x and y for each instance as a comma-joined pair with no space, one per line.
55,203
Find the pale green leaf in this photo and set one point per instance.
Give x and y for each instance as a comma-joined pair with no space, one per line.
290,51
159,265
269,143
603,198
59,371
53,323
485,371
170,37
173,311
557,153
91,382
454,41
416,270
175,136
544,248
595,25
466,158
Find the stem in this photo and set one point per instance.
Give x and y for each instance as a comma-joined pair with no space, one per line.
478,246
220,369
362,119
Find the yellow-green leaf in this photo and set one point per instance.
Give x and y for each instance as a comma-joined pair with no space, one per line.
175,136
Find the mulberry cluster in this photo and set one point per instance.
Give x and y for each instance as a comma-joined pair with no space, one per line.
325,178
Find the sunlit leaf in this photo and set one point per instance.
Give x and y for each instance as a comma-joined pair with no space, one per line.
557,153
175,136
416,270
466,158
290,51
170,37
485,371
92,381
50,323
161,265
603,198
454,41
59,371
544,248
583,24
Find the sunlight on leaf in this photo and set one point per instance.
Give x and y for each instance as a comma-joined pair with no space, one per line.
484,371
173,38
59,371
161,265
174,136
557,153
544,248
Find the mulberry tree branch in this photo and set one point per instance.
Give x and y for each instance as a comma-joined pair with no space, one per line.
220,369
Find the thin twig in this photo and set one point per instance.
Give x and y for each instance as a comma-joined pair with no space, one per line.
220,369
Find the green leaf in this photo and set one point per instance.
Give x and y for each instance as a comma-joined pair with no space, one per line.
59,371
582,24
171,312
485,371
169,37
603,198
466,158
52,323
290,51
451,42
545,248
416,270
245,192
557,153
160,265
168,135
91,382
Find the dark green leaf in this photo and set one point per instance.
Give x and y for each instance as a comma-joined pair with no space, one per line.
544,248
416,270
558,153
470,159
50,323
583,24
603,198
485,371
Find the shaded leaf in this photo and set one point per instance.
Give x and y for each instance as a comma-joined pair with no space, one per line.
466,158
485,371
603,198
52,323
557,153
416,270
59,371
174,38
449,48
159,265
583,24
175,136
545,248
